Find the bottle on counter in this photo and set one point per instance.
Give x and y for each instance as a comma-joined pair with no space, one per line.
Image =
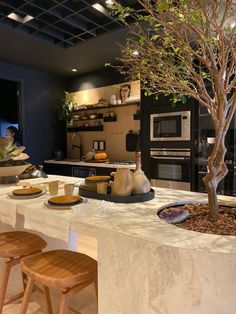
141,184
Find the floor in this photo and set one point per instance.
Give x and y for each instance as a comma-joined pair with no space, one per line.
84,302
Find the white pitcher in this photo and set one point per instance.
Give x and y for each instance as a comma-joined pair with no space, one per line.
122,185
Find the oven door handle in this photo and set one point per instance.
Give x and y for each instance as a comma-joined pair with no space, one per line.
171,158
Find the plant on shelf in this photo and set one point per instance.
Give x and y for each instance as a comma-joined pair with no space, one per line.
65,107
187,48
10,155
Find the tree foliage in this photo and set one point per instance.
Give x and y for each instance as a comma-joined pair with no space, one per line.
187,48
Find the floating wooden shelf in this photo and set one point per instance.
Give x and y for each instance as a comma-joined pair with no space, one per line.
85,128
96,107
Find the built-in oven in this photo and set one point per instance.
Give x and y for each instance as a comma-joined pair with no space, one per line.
170,126
171,168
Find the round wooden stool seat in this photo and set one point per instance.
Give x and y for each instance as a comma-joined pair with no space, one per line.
60,268
19,243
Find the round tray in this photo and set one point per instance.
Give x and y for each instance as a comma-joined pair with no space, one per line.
118,199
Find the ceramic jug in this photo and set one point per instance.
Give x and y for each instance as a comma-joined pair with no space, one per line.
141,184
122,185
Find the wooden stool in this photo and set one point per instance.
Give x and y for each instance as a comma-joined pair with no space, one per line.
13,246
65,270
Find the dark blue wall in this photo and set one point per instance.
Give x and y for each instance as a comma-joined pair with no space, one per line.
40,93
104,77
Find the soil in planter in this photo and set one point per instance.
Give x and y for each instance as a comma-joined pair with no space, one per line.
223,224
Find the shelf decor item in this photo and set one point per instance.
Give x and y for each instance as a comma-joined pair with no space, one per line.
12,161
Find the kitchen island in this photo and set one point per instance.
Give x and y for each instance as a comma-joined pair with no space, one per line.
146,266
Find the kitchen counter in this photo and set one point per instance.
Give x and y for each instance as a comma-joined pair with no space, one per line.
89,164
146,266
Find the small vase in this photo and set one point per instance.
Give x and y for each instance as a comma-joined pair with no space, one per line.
141,184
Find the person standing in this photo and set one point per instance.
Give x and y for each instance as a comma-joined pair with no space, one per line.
13,133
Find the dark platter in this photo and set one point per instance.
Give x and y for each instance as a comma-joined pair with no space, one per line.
118,199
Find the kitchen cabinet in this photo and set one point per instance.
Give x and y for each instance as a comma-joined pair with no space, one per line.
76,171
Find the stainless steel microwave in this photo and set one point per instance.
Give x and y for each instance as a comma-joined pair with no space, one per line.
170,126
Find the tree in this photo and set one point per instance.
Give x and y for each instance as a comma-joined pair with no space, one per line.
187,48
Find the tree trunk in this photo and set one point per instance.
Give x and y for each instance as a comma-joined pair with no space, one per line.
217,170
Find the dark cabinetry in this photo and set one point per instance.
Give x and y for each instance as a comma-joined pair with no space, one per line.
76,171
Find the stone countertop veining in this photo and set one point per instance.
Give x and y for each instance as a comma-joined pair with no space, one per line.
140,220
89,164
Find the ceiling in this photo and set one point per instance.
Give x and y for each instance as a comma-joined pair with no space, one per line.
62,35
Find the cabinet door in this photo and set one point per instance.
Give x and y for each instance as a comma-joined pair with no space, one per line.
58,169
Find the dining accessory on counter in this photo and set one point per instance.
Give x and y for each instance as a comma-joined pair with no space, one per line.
39,172
141,184
92,116
117,199
26,196
122,185
65,200
69,188
96,179
102,187
27,191
53,187
59,155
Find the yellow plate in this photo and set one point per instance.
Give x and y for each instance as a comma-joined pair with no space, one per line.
65,200
27,191
97,178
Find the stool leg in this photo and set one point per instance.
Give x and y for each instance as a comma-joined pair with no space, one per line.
95,283
26,298
5,278
63,304
48,299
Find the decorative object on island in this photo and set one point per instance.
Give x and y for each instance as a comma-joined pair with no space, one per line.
65,107
12,161
141,184
123,182
194,57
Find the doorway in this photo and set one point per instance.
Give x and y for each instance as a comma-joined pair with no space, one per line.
10,110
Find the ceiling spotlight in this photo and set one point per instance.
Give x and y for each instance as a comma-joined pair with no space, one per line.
19,18
135,53
109,2
74,70
97,6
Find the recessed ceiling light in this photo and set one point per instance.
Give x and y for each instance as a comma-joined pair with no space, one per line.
74,70
100,8
109,2
19,18
135,53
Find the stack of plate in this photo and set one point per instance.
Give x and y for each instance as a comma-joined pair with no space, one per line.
91,182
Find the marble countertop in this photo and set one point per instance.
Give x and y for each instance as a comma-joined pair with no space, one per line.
140,220
88,164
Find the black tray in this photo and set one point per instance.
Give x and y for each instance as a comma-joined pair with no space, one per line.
118,199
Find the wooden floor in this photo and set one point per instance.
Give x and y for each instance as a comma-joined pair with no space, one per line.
83,301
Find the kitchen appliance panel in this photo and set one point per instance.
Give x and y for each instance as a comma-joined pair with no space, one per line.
170,126
171,165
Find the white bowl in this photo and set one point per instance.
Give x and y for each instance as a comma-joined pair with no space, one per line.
11,171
